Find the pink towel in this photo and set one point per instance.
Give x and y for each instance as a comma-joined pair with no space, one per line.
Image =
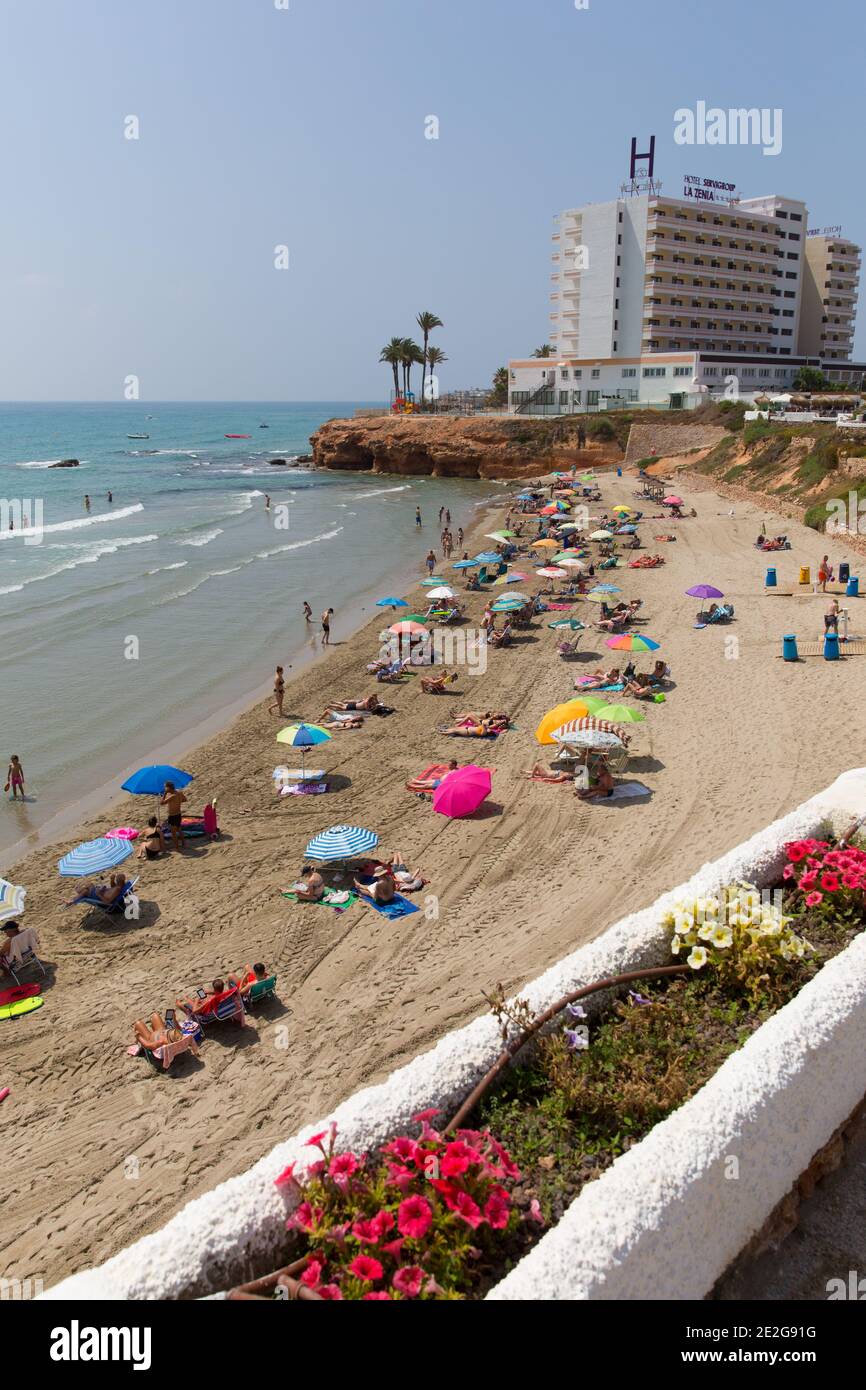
169,1051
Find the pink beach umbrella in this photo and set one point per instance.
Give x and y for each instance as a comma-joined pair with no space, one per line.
462,791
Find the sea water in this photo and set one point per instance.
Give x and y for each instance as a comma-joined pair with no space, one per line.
132,623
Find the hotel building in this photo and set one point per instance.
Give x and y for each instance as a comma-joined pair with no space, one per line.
660,299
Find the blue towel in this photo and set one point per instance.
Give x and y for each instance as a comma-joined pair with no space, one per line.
397,907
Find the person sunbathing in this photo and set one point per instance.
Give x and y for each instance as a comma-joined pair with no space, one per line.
381,892
429,784
251,975
107,893
310,887
484,729
641,687
501,639
152,842
603,787
408,880
435,685
350,722
542,774
370,703
475,716
156,1034
596,679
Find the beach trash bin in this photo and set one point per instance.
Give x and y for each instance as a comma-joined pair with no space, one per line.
789,647
853,588
805,574
831,646
844,572
619,472
770,581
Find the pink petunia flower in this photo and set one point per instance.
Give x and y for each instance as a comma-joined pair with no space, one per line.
366,1268
408,1280
808,880
316,1141
424,1115
414,1218
401,1177
365,1232
312,1274
497,1209
287,1176
341,1168
392,1249
402,1148
457,1158
830,881
382,1223
329,1291
377,1297
468,1210
535,1211
813,899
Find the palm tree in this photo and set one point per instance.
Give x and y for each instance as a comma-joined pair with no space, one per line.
410,354
545,351
392,354
435,356
426,322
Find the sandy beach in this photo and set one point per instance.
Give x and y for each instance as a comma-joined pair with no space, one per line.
741,738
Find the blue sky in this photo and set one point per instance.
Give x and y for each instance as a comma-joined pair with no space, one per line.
305,127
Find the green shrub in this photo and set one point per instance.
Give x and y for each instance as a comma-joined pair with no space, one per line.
601,428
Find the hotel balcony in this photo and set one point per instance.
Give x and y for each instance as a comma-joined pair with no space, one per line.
683,311
656,285
765,261
765,233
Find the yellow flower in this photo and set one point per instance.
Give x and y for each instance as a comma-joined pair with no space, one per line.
697,957
722,937
705,931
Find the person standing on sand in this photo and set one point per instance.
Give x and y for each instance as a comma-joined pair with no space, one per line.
15,777
459,536
172,800
326,627
418,517
308,612
431,561
831,616
279,692
824,574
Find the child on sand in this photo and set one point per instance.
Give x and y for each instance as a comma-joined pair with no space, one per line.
15,777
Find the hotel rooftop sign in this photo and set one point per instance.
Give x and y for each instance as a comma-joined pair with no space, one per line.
709,190
825,231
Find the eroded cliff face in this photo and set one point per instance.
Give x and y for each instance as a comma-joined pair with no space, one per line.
454,446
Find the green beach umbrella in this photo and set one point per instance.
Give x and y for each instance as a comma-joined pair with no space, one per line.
622,714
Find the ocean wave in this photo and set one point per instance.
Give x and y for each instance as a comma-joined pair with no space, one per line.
204,539
75,525
380,491
298,545
179,565
260,555
96,550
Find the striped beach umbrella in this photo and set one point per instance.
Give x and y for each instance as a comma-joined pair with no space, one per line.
573,729
303,736
552,572
11,900
605,589
632,642
94,856
341,842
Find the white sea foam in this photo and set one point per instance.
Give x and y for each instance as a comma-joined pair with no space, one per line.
73,525
380,492
95,551
162,568
204,539
298,545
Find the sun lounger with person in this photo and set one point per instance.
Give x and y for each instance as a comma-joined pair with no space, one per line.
435,685
369,704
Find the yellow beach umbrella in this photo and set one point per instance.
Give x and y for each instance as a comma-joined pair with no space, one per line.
559,715
621,508
545,544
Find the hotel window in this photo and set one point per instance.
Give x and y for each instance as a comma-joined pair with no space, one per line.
564,374
682,371
578,373
563,398
764,371
796,217
711,371
592,398
629,371
596,373
655,371
575,395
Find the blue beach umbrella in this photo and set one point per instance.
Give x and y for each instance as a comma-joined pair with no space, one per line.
11,900
489,557
303,736
465,564
341,842
626,530
94,856
605,589
150,781
391,603
507,604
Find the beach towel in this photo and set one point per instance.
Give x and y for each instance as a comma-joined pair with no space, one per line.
559,607
339,899
623,792
430,774
304,789
397,907
584,680
26,940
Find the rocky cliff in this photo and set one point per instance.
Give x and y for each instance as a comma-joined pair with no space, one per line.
450,446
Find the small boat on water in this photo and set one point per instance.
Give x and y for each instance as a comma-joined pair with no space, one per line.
237,436
264,427
138,436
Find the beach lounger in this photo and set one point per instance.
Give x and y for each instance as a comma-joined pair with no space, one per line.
112,910
230,1007
163,1058
23,954
262,989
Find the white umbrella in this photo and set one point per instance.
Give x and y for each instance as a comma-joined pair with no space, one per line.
442,592
587,738
11,900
